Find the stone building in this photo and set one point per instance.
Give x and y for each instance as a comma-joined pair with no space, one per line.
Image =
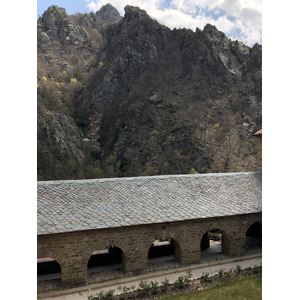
95,230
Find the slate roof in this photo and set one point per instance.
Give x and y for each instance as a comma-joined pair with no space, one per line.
65,206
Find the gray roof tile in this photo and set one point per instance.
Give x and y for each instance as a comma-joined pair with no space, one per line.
73,205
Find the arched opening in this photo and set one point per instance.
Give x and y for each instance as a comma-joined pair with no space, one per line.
164,253
161,250
48,269
105,264
254,236
213,244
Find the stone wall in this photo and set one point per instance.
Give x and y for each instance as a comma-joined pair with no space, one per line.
73,250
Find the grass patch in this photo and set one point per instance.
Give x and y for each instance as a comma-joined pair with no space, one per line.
240,289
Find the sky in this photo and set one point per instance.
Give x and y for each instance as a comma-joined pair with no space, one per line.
238,19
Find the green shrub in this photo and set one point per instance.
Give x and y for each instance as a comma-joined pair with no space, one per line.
221,273
193,171
189,276
73,80
165,285
206,278
125,289
179,283
100,64
154,287
63,76
108,295
183,281
145,287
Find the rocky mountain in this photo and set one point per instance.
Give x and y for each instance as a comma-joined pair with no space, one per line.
127,96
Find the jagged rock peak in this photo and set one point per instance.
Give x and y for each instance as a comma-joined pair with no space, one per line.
54,12
108,13
56,20
213,33
135,13
210,28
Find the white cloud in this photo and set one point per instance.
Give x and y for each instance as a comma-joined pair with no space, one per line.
238,19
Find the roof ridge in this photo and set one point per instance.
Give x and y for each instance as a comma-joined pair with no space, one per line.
145,177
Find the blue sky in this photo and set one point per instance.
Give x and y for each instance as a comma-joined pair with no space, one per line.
71,6
238,19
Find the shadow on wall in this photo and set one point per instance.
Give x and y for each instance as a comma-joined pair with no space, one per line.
48,269
106,260
160,251
254,236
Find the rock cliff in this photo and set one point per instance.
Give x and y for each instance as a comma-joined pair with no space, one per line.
129,96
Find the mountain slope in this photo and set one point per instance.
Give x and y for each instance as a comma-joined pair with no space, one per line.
150,100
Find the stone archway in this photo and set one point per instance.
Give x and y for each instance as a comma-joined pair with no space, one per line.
163,253
254,236
214,244
106,261
103,260
49,274
161,250
48,269
105,264
212,241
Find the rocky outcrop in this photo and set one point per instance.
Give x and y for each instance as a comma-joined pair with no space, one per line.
59,143
56,23
57,130
109,14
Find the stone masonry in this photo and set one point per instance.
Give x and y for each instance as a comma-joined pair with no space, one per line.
76,218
